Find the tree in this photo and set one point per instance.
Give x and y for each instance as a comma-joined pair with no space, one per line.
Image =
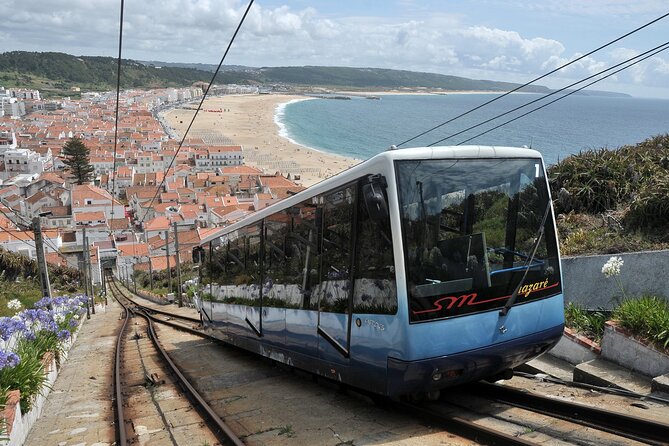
76,158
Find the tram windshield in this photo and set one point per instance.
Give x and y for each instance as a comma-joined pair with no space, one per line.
469,227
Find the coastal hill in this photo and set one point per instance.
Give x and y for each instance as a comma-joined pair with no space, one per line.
62,74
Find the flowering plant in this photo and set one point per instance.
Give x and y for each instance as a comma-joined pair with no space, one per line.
27,336
612,269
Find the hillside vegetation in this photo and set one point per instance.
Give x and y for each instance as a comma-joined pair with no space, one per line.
57,73
611,201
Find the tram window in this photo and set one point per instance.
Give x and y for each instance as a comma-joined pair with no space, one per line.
375,290
281,287
468,236
303,250
253,258
335,283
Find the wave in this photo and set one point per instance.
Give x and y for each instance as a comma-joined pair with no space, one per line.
280,114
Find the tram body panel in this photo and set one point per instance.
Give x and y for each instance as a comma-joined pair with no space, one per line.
386,301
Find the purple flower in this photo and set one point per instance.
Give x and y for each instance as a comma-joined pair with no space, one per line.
11,325
73,323
63,334
8,359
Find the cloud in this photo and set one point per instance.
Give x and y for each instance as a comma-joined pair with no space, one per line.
199,31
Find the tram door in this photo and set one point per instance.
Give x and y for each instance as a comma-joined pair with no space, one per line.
334,290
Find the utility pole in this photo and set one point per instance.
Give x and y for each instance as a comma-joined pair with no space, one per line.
150,274
41,258
167,256
82,275
176,248
89,271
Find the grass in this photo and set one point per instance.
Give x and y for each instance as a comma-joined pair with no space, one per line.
586,322
26,291
648,317
585,234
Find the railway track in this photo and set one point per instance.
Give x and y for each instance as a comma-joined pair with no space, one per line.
150,402
499,414
495,414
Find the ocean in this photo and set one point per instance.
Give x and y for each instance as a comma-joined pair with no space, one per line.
360,127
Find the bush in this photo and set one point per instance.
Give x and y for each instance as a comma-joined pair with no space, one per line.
587,322
598,180
647,316
650,208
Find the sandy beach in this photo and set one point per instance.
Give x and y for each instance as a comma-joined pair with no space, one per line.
248,120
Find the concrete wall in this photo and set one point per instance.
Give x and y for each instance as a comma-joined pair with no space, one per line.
642,272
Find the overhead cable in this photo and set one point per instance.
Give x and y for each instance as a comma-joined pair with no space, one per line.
535,79
204,96
663,48
638,56
118,93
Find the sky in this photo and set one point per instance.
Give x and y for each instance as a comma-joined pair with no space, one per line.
504,40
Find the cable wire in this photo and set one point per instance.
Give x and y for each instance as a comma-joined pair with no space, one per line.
664,47
204,96
118,92
638,56
535,79
28,224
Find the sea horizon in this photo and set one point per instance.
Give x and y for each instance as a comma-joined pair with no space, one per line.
360,128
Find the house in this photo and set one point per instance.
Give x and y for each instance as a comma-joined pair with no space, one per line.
23,242
89,198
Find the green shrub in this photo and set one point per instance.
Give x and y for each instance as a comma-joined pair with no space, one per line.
647,316
650,208
586,322
598,180
28,376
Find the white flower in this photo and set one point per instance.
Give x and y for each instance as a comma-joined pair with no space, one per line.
612,267
14,304
59,318
76,316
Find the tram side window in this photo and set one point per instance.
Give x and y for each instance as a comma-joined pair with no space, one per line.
375,289
252,236
280,287
303,250
335,283
212,270
236,281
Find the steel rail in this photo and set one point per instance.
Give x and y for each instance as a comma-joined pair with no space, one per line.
121,434
222,430
628,426
150,310
468,429
153,310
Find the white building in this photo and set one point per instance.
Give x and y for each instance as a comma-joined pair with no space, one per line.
220,156
7,141
24,161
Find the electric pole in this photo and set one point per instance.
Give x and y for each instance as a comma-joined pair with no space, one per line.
167,256
89,271
176,248
150,273
41,258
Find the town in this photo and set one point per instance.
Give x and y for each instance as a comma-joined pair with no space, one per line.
148,194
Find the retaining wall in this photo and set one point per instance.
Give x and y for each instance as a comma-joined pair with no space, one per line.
642,272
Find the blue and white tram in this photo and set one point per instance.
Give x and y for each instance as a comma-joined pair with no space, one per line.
416,270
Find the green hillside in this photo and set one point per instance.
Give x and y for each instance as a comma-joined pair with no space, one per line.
380,78
57,74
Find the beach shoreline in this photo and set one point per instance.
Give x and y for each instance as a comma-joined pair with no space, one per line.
252,121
